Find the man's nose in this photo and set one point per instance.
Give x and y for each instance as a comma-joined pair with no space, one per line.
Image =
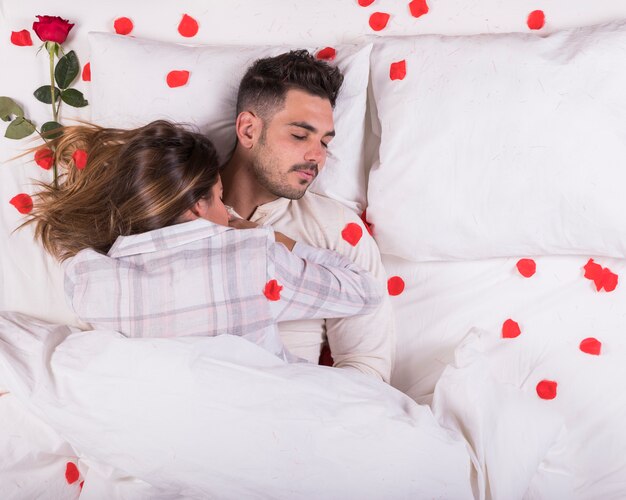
316,154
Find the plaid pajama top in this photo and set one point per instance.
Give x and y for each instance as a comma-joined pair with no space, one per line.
200,278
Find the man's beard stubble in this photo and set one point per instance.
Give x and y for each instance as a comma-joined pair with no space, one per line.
263,172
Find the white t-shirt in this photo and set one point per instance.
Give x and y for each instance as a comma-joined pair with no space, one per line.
365,343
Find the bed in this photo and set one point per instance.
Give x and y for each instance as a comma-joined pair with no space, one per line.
483,144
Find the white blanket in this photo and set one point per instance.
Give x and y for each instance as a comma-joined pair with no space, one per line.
202,417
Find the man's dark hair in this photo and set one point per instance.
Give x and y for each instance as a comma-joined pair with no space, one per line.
265,84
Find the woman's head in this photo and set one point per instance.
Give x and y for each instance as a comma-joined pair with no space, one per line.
134,181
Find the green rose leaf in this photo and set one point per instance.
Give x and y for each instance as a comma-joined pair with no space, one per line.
66,70
44,95
47,130
74,98
19,128
8,108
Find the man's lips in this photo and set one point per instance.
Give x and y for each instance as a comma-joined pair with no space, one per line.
308,175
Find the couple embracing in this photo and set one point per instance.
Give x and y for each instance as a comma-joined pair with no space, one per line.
158,239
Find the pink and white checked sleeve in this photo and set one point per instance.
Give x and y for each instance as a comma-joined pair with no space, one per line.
319,283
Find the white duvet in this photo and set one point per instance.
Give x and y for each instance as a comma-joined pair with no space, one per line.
220,417
212,417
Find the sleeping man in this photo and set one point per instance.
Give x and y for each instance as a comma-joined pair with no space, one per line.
284,127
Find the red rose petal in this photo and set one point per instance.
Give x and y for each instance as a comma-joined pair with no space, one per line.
365,3
397,70
536,20
123,26
546,389
510,329
591,346
418,8
188,26
378,20
22,202
21,38
326,54
593,271
80,158
368,226
603,277
272,290
609,279
395,285
82,483
177,78
352,233
44,158
526,267
71,473
87,72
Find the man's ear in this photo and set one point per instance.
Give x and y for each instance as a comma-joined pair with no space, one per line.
248,128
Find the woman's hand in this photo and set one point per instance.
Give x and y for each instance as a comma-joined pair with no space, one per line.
238,223
285,240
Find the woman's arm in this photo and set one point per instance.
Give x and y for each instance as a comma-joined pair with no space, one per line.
319,283
313,282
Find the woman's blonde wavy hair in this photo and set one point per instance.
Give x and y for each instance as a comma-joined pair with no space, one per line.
134,181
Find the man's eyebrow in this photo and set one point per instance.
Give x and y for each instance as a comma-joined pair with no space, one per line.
311,128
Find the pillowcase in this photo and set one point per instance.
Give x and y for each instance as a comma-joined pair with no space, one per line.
133,84
500,145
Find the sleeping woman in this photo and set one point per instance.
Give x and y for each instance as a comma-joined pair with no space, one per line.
149,250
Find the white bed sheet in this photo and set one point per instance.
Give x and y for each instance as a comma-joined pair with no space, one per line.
556,309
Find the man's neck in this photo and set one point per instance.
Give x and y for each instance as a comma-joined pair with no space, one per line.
241,189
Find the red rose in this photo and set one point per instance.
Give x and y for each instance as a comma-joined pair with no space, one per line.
52,28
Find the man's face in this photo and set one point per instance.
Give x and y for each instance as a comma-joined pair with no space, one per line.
292,148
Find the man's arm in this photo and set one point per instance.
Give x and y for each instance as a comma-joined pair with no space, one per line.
364,343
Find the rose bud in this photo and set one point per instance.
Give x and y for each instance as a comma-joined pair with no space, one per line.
52,28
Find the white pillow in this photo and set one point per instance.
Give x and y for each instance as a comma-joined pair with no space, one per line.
501,145
130,88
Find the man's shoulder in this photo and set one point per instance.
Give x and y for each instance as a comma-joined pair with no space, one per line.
327,223
322,205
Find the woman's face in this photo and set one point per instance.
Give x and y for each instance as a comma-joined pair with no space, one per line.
214,209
